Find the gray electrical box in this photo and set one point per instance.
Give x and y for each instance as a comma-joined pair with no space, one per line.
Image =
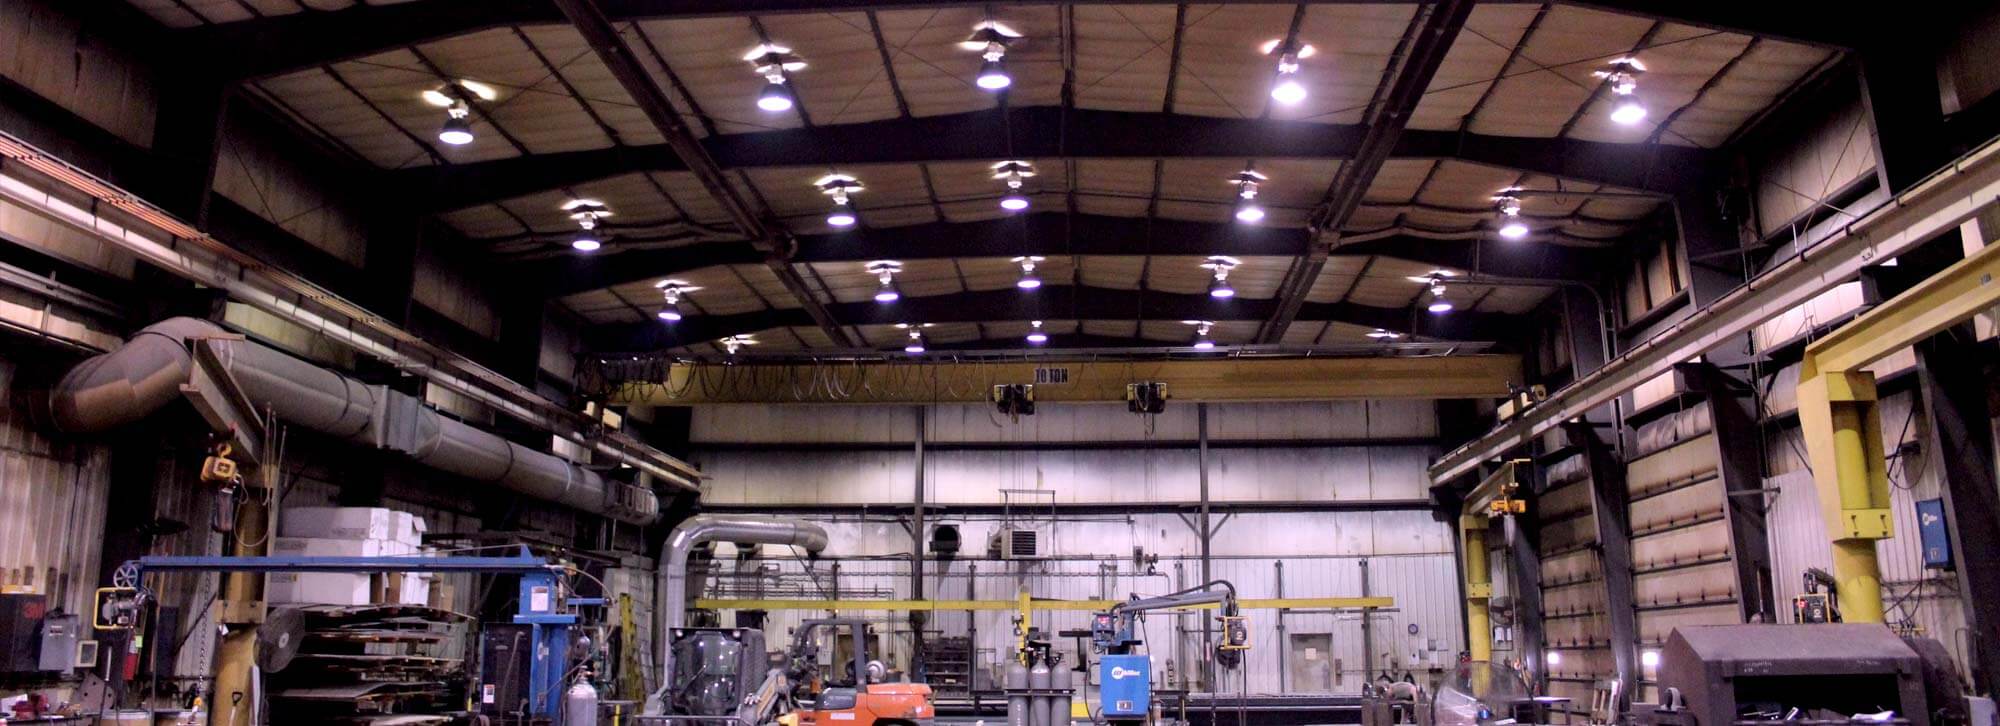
59,637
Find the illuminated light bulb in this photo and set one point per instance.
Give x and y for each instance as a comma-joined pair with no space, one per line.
1628,112
457,131
1649,658
1204,344
1036,336
671,313
1554,658
586,243
1220,289
993,75
1248,212
842,216
1028,282
1514,229
887,294
775,97
1014,202
1288,91
1440,306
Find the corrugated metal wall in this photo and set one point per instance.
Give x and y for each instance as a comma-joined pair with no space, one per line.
58,58
52,500
1409,554
1409,560
1394,470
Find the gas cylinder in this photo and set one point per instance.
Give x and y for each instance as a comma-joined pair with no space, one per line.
1038,708
580,705
1017,698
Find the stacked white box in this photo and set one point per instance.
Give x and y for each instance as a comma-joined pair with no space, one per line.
350,532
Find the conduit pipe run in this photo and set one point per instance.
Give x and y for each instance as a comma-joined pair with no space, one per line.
671,580
121,387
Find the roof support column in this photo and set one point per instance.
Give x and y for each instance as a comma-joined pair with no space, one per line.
1953,380
1729,405
1899,91
1610,507
187,140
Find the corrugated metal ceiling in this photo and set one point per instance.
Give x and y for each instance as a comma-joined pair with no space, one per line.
1119,57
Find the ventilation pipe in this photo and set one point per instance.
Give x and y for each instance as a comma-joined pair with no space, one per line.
671,580
121,387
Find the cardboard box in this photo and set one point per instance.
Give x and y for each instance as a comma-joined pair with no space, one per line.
416,589
354,523
330,547
340,522
319,588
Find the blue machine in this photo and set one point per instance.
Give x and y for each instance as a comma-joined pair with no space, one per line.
549,615
1125,677
545,606
1933,533
1126,686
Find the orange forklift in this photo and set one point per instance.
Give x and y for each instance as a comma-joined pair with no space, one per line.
849,692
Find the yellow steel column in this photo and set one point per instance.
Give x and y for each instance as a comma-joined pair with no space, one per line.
1478,586
1027,606
240,611
1843,436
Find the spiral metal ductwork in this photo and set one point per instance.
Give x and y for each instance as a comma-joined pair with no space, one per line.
124,386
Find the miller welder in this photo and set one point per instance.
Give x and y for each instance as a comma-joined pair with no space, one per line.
1125,677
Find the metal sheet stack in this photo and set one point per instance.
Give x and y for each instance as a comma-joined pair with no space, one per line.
334,664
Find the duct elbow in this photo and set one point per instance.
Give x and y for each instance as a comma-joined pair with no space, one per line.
126,385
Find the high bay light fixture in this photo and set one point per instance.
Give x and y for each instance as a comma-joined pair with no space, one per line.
1286,88
1013,173
1435,280
456,99
1439,304
885,271
773,62
672,290
1201,328
1623,77
1247,209
586,212
1219,267
841,188
915,344
735,343
1508,204
1035,334
1029,280
990,40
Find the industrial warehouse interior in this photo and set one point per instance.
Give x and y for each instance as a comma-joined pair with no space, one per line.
1024,363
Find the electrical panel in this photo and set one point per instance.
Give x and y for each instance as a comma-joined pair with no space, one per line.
1933,534
60,634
